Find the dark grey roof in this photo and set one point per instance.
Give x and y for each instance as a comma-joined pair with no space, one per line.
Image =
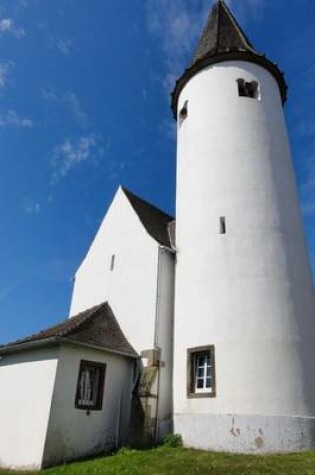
221,33
224,40
155,221
96,327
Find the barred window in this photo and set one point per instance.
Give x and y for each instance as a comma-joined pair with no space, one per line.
90,386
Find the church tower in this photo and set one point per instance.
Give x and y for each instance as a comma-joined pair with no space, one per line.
244,344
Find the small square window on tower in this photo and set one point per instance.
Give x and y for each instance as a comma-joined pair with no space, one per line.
201,372
248,89
90,386
183,114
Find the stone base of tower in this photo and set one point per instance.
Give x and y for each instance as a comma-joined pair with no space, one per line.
246,434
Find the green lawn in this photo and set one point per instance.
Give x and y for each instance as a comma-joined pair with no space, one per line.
178,461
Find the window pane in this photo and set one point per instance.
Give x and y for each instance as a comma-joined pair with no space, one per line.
200,360
200,372
199,383
89,390
209,383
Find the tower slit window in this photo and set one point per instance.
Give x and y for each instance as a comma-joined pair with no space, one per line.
112,262
183,114
222,222
248,88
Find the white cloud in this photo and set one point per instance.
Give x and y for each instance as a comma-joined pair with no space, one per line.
176,26
72,103
50,96
7,25
75,107
64,45
70,154
12,119
32,207
4,69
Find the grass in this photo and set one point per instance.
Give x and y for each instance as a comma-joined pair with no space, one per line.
178,461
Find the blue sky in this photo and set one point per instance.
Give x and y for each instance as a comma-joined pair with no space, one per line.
84,106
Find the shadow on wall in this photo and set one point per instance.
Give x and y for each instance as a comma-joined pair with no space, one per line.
142,431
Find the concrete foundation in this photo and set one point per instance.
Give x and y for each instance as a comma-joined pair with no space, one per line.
246,433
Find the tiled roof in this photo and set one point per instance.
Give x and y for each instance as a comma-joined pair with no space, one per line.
155,221
96,327
224,40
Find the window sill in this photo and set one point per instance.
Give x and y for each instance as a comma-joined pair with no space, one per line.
201,395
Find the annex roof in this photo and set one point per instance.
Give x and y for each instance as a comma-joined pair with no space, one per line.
154,220
96,327
223,40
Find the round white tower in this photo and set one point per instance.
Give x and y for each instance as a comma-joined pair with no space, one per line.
244,350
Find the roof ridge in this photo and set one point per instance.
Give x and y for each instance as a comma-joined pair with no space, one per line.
238,27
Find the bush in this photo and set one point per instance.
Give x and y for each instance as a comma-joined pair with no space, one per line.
172,440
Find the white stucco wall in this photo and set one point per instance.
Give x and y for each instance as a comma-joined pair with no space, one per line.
249,292
73,433
26,382
131,287
140,290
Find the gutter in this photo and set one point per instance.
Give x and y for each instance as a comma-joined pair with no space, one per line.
156,339
15,348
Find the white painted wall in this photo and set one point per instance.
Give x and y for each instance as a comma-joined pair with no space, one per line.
131,287
249,292
140,289
26,381
72,433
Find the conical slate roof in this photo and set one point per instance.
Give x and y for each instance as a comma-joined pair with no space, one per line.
222,33
224,40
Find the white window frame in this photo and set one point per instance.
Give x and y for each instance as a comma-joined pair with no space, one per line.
203,362
201,367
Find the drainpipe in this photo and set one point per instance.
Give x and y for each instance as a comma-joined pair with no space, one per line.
118,420
156,342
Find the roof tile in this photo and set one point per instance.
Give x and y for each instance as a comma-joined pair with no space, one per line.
96,327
